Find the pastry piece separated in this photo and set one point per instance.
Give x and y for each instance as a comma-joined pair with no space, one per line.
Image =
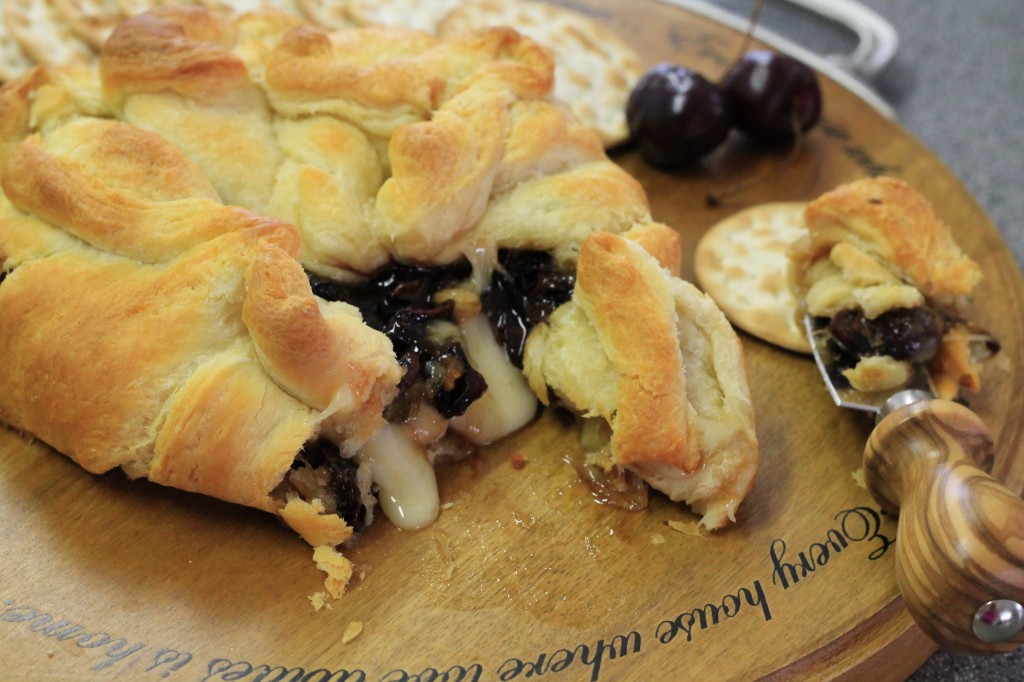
656,364
884,270
431,217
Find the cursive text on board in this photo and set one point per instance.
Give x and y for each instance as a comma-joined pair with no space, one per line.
682,623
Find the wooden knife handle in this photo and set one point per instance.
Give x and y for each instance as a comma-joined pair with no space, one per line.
960,534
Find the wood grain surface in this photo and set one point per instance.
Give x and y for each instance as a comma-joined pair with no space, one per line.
958,541
523,577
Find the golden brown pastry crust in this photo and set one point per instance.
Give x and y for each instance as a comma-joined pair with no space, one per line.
469,151
662,242
723,424
81,197
629,302
594,69
318,351
890,220
175,49
401,73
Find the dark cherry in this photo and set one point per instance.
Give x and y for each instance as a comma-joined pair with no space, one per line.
526,288
676,116
770,94
395,300
342,478
912,334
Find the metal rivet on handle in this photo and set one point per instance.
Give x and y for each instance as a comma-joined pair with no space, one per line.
998,621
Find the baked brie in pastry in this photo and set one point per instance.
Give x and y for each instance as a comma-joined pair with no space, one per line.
882,269
299,268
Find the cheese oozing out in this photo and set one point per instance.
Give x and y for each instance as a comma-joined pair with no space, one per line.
407,487
398,464
508,404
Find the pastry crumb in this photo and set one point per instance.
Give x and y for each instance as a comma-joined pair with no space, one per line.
447,505
657,539
444,549
336,566
858,478
688,528
50,653
319,600
518,460
352,630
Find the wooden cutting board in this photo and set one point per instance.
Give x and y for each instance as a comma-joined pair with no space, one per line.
523,577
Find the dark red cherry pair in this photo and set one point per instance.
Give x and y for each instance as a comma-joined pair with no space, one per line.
677,116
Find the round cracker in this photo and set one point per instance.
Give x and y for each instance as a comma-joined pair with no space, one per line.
595,71
239,7
742,263
131,8
414,14
43,34
92,21
327,14
13,60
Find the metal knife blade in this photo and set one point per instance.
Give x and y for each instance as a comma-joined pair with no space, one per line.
919,385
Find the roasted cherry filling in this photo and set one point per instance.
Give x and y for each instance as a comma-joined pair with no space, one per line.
911,334
437,368
321,472
396,300
523,292
392,288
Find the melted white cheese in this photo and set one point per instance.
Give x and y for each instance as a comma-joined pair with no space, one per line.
407,488
508,404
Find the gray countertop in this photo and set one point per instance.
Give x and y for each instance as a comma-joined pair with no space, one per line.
957,84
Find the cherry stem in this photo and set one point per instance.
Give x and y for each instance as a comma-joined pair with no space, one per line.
748,37
714,199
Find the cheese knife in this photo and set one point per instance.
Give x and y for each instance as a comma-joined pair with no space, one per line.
960,533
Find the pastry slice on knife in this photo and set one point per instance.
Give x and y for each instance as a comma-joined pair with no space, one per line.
433,233
881,270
